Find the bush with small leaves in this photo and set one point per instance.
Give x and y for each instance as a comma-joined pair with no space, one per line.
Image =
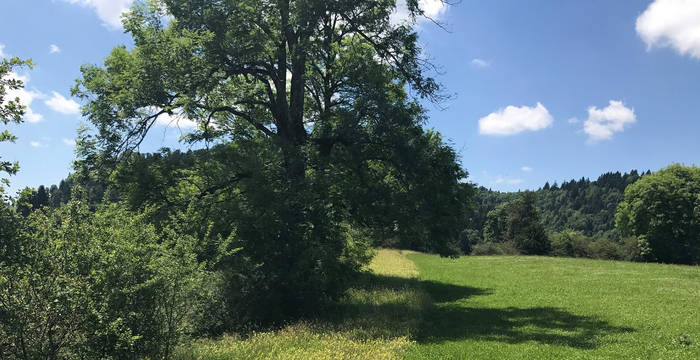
97,285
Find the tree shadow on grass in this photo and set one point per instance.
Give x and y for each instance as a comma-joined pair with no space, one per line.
544,325
389,307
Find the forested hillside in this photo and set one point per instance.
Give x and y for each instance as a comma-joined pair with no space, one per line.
582,205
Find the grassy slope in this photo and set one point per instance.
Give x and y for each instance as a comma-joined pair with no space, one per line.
556,308
374,321
493,308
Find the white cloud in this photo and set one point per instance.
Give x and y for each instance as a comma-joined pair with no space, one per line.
672,23
31,117
109,11
513,120
59,103
176,120
526,169
37,144
573,120
433,9
480,63
509,181
603,123
1,50
69,142
26,97
54,49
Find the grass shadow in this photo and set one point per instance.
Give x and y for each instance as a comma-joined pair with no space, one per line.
389,307
544,325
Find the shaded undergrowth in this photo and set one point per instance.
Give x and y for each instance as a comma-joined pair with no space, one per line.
376,319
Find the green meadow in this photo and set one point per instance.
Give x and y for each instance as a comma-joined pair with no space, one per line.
419,306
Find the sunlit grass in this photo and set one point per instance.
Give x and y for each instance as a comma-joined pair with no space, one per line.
557,308
301,341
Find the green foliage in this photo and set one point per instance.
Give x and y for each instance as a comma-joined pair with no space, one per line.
25,201
311,138
11,110
496,224
468,239
10,224
582,205
74,284
517,221
570,243
663,211
492,248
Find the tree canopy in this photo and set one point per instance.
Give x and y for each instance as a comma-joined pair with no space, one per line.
663,210
310,115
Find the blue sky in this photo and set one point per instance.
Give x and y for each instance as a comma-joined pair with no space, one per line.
544,90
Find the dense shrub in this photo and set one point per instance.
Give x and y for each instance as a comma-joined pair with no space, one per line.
606,249
570,243
103,285
635,248
490,248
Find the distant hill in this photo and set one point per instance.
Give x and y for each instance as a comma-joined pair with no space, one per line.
582,205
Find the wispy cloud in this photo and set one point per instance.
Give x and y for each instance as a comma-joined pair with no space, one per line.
62,105
54,49
514,120
69,142
480,63
526,169
509,181
37,144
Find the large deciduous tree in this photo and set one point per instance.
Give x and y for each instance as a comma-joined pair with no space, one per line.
318,101
663,210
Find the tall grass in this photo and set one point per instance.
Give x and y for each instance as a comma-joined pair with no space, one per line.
374,320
